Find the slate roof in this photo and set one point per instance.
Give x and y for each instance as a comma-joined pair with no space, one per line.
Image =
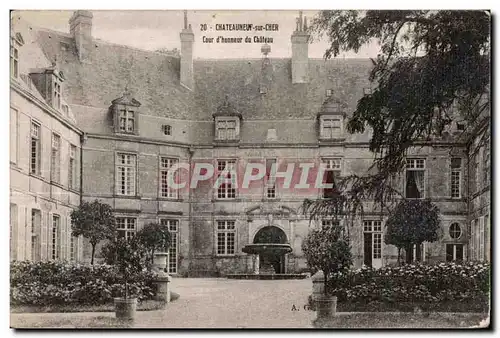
153,80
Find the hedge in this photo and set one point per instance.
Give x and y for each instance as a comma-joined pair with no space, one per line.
48,283
417,283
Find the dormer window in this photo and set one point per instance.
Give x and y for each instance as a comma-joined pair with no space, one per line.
331,127
227,122
57,93
226,129
331,120
14,61
16,42
126,114
127,121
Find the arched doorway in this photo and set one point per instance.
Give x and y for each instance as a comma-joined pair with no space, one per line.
272,259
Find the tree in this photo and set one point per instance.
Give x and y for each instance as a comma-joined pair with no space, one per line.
327,249
428,60
129,258
412,223
154,237
94,221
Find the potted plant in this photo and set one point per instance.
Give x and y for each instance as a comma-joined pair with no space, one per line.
327,249
128,261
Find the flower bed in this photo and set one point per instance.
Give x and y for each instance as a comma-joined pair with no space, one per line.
47,283
431,285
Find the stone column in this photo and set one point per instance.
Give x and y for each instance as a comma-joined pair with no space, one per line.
162,278
256,263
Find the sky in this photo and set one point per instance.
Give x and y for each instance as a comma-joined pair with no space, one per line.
152,30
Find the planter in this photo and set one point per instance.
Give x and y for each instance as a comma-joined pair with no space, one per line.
125,308
326,306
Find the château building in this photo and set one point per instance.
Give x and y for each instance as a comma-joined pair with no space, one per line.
91,120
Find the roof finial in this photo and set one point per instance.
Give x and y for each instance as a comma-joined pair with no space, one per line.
300,21
127,91
185,19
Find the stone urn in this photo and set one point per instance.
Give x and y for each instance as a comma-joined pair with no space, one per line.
160,261
162,278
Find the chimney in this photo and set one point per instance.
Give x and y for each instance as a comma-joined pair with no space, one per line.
80,27
300,52
187,39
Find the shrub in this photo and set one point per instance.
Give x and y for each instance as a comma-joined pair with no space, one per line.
468,281
62,282
327,249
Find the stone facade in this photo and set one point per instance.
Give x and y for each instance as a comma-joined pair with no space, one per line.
172,119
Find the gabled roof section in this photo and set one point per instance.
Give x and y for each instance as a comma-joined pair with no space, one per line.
227,109
126,100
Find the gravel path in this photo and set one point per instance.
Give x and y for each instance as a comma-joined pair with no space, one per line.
206,303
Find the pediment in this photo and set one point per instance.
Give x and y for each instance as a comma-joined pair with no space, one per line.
266,209
126,100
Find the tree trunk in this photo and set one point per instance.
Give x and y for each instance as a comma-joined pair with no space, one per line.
409,253
399,256
93,252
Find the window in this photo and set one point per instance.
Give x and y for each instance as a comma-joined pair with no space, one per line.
456,178
173,250
226,233
476,172
13,231
415,178
481,239
167,129
14,61
225,178
328,92
73,243
455,231
460,126
367,91
126,121
331,127
372,243
126,227
55,244
332,173
454,252
226,129
72,167
36,224
271,178
14,128
55,159
57,93
125,174
165,165
35,149
486,164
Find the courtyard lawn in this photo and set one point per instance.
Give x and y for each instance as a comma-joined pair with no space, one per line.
405,320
